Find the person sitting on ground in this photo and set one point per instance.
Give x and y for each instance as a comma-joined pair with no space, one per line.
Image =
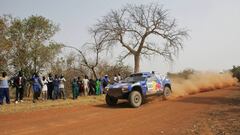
4,88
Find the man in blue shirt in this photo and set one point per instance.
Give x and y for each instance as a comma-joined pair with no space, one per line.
105,81
4,88
36,87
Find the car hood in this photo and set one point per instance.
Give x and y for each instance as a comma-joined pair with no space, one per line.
120,85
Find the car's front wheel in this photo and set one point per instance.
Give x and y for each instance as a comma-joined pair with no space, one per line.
111,101
135,99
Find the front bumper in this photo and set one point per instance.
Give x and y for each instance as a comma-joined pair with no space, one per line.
117,92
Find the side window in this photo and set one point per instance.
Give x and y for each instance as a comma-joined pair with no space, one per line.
152,78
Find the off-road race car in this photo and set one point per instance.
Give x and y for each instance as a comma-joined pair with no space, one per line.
137,87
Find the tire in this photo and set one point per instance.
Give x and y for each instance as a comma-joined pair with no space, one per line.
167,92
135,99
111,101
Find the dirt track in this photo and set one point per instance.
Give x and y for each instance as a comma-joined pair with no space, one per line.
179,116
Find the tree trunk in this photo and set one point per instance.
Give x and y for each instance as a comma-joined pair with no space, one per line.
94,72
136,63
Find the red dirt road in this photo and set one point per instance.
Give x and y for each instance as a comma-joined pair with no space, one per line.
154,117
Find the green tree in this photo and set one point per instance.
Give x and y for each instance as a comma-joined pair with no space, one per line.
5,45
32,47
236,72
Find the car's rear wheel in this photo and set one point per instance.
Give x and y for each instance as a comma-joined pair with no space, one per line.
167,92
111,101
135,99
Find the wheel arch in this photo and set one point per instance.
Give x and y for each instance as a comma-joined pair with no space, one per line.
137,88
168,85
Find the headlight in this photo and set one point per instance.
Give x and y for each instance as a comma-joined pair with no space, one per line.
125,88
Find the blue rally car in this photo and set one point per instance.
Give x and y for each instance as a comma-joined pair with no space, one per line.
136,87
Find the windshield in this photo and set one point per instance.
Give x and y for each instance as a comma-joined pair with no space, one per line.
133,79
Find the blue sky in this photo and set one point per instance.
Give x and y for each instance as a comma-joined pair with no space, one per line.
214,27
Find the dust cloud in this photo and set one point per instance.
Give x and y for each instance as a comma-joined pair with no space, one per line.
201,81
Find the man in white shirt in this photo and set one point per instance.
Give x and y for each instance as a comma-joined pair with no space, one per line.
119,78
61,87
86,85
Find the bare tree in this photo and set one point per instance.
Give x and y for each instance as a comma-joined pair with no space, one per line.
88,59
143,30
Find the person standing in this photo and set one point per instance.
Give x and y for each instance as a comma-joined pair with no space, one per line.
98,83
86,85
115,79
119,78
80,86
36,85
62,80
19,83
74,88
4,88
56,91
92,87
44,88
105,81
50,86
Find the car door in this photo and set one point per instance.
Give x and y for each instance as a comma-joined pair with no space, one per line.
152,85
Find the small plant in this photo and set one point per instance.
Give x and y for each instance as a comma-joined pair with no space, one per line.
236,72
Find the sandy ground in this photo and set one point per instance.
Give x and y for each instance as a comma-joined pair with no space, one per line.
213,112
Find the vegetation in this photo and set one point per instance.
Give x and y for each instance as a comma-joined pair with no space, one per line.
133,28
236,72
26,44
27,105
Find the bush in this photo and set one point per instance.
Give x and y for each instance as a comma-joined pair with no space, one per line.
236,72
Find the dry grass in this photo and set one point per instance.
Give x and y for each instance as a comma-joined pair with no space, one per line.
28,105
